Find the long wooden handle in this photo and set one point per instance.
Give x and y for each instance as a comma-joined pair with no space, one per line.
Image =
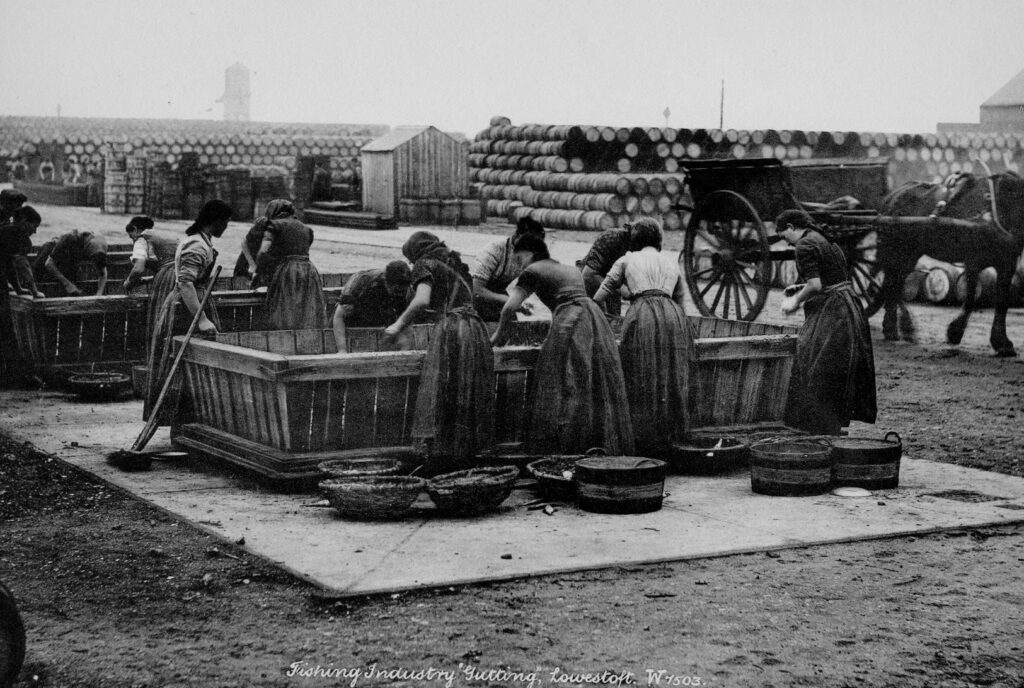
154,415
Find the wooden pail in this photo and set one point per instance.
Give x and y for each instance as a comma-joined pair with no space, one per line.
790,467
867,463
620,484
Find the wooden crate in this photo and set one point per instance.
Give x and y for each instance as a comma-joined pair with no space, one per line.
62,335
277,403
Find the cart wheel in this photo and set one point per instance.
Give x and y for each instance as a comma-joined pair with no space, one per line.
725,257
865,276
12,638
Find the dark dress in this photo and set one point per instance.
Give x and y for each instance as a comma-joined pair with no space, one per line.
67,252
607,248
295,296
454,417
578,394
656,347
833,378
367,302
253,240
160,249
194,261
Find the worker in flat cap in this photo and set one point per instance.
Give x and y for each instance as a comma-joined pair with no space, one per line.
373,298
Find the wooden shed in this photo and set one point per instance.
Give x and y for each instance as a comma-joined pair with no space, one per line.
413,163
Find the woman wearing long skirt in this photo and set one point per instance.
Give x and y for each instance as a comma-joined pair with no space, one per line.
194,260
578,398
454,417
295,295
656,345
154,251
833,378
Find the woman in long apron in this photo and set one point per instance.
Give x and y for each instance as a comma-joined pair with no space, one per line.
153,251
246,266
194,260
656,344
578,398
295,295
833,377
454,417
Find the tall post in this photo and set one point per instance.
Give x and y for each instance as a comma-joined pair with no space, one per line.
721,107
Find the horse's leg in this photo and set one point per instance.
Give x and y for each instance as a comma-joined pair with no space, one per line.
998,339
955,330
892,298
908,329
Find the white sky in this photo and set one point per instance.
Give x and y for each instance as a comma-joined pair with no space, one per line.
870,65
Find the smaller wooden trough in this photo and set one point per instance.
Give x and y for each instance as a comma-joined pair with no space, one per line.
61,335
278,403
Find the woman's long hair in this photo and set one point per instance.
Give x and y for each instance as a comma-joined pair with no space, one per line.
211,213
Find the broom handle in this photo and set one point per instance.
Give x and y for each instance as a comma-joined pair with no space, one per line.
154,415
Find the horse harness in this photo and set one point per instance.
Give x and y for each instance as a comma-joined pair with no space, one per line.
957,183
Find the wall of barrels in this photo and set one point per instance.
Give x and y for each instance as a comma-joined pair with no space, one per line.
142,163
595,177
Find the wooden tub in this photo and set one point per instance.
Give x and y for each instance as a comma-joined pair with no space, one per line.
62,335
277,403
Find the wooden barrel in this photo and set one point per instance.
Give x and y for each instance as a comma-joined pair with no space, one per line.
913,285
940,284
867,463
984,290
790,467
620,484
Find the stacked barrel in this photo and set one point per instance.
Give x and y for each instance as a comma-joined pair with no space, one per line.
593,177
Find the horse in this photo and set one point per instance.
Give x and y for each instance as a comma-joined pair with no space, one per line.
995,206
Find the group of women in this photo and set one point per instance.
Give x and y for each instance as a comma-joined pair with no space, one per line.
630,396
295,294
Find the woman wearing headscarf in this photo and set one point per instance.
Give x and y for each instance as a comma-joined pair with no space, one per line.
578,398
194,260
454,418
656,345
295,294
245,266
154,251
833,377
496,268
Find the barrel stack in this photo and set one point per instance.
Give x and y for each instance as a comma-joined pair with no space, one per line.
605,176
176,151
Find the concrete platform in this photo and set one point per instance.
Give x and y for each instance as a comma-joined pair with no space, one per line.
701,517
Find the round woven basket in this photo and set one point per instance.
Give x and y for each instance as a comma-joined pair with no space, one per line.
372,497
353,468
472,492
707,455
555,475
98,386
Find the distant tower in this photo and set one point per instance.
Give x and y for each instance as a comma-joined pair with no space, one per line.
236,93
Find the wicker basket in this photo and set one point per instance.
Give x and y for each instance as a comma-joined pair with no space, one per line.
472,492
708,455
555,475
99,386
372,497
354,468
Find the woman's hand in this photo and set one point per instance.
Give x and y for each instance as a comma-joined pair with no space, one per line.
790,305
394,329
207,328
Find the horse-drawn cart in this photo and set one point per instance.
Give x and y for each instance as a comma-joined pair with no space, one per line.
728,256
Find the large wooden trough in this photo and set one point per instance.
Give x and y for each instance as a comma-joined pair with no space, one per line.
63,335
278,403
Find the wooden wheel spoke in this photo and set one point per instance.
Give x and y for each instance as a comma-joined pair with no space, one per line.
704,271
718,296
712,282
709,238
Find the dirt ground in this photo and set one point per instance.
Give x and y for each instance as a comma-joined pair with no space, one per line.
116,593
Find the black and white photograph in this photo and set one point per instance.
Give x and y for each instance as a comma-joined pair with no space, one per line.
518,344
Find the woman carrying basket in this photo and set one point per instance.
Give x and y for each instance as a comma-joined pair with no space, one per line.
656,345
833,378
295,293
454,418
194,261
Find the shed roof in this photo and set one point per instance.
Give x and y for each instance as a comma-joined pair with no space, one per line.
1012,93
396,137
